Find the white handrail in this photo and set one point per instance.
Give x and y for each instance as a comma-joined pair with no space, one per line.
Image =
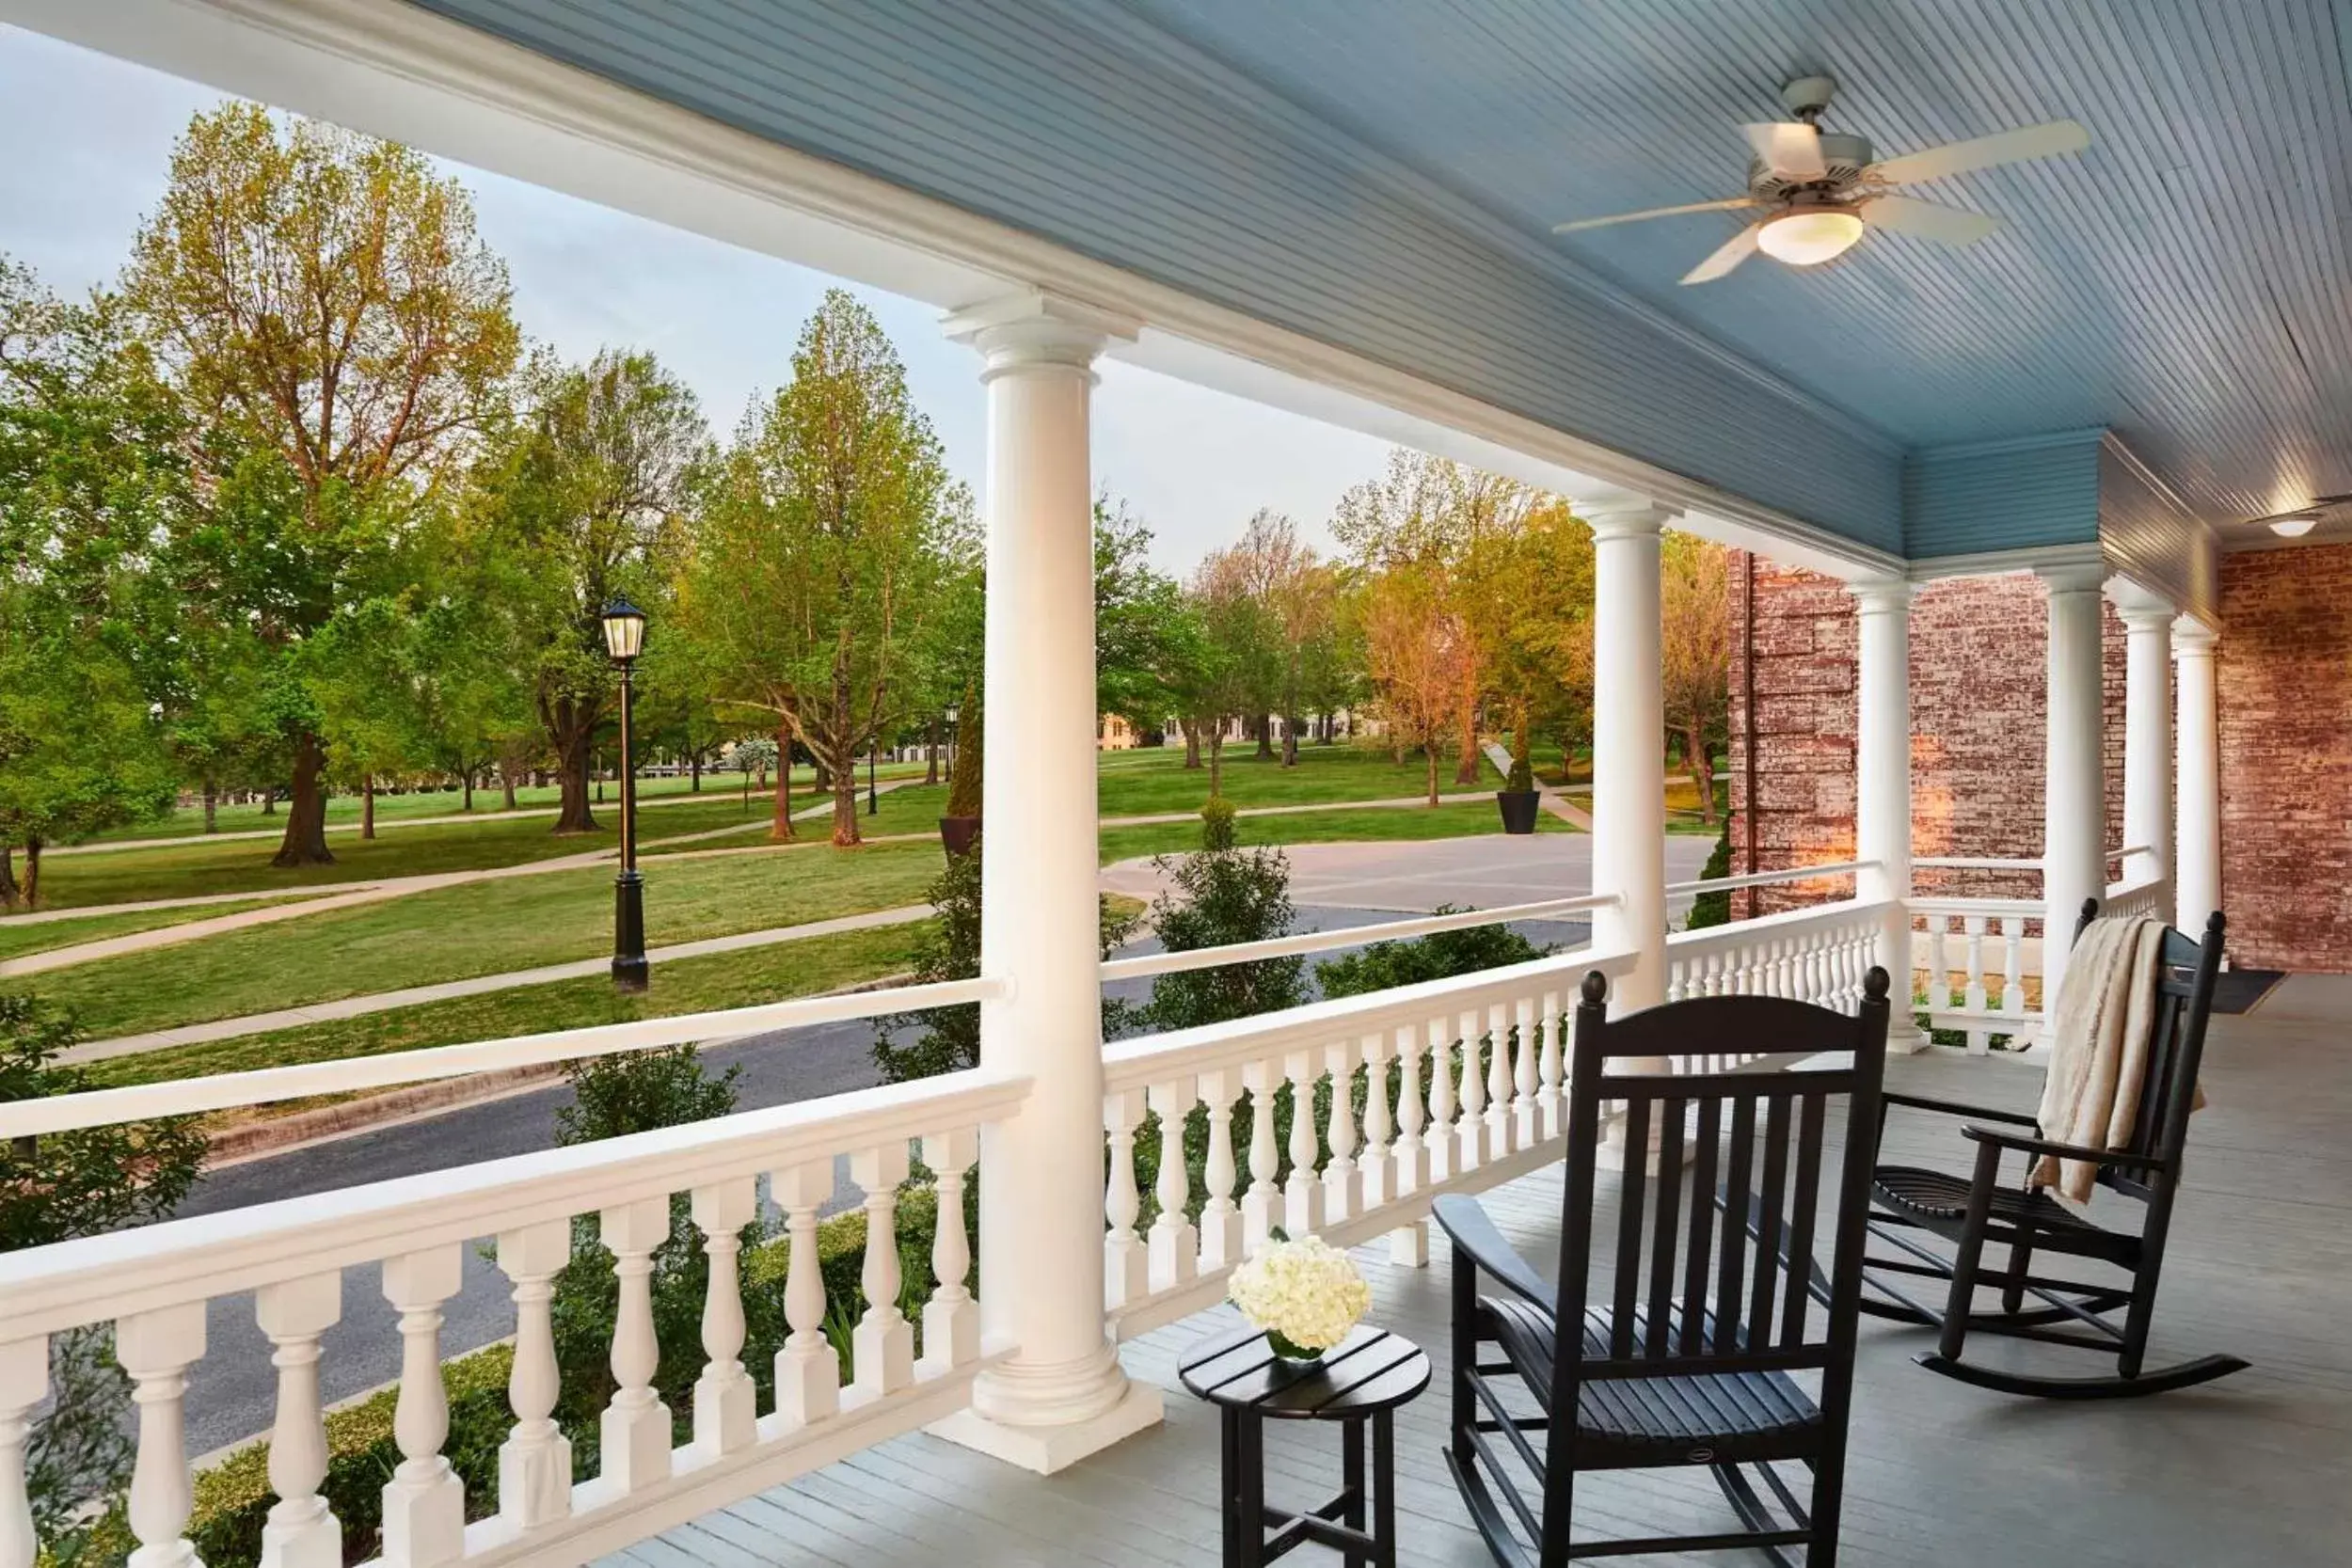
1951,904
1973,863
265,1085
1769,878
95,1279
1357,936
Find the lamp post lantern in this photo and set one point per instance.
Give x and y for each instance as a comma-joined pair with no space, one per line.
624,640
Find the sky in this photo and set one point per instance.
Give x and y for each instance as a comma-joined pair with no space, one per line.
1192,462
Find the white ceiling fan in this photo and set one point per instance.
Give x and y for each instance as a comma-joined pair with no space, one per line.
1818,191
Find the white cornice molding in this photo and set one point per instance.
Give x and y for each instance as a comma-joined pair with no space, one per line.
1993,563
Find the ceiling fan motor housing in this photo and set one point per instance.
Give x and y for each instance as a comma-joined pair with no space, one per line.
1845,155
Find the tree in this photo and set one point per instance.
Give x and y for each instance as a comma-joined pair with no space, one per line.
827,529
1236,669
1695,650
1140,629
1542,669
323,303
88,482
588,490
1415,649
66,1185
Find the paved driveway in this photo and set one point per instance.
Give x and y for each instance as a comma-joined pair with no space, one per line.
1414,878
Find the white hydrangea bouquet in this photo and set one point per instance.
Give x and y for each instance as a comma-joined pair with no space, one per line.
1305,1295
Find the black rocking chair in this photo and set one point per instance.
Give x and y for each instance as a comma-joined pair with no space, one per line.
1691,1359
1969,1213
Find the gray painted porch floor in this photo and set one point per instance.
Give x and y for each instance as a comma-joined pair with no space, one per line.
2256,1469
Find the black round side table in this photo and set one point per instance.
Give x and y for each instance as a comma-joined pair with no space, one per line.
1357,1382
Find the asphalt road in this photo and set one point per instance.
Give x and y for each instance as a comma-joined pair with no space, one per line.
232,1393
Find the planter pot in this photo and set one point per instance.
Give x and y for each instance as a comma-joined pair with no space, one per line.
1518,809
1297,1356
958,832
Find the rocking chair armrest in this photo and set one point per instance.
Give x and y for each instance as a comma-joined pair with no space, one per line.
2060,1151
1956,1108
1475,1238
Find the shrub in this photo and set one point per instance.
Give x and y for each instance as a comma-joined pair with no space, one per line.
1438,956
1522,777
1220,896
1714,909
963,779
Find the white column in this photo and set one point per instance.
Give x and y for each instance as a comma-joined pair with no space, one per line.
2197,863
1061,1395
1629,746
2073,803
2147,731
1883,779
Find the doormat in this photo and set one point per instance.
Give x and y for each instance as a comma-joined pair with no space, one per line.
2236,990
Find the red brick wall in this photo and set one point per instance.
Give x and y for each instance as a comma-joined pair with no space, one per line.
2286,673
1978,670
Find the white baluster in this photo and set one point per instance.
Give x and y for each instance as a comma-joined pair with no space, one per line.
951,1319
1497,1118
1126,1267
808,1374
23,1385
881,1347
1261,1204
1221,1216
157,1348
1526,1121
726,1413
1445,1153
1302,1195
1376,1179
535,1461
1939,967
1552,1073
1974,925
2012,966
425,1502
634,1431
1469,1131
302,1532
1409,1155
1175,1245
1339,1133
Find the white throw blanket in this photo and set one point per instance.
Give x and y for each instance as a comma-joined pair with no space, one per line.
2099,1038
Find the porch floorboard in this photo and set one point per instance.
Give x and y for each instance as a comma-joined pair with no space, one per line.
2248,1470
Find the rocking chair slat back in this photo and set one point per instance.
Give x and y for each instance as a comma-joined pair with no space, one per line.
2176,1048
1712,1270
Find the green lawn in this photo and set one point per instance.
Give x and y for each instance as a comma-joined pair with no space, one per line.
690,985
18,938
343,810
1342,771
485,927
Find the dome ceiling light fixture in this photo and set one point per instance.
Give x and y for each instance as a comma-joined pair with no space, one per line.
1820,191
2301,520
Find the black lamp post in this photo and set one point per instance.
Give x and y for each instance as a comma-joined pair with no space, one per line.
625,639
950,717
873,801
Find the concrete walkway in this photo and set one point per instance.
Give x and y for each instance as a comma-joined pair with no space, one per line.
355,1006
345,896
1548,797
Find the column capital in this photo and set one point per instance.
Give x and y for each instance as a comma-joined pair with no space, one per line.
1624,516
1882,596
2193,639
1033,327
2139,609
2073,577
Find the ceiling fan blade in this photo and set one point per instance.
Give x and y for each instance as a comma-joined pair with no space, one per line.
1790,148
1727,256
1724,206
2008,147
1903,214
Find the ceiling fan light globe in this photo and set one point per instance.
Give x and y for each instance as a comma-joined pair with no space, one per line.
1809,235
2292,528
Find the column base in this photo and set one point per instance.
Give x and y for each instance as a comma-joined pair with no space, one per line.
1046,1449
1904,1038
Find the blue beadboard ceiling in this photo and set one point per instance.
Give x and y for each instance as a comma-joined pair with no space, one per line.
1384,176
2185,282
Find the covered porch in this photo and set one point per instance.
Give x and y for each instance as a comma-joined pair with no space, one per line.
1030,1418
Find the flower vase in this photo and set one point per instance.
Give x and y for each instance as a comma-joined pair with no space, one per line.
1297,1355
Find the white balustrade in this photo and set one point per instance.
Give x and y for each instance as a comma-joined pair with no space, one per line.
152,1284
1985,929
1818,955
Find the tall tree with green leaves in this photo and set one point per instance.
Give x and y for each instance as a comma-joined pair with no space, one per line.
588,492
338,332
828,531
